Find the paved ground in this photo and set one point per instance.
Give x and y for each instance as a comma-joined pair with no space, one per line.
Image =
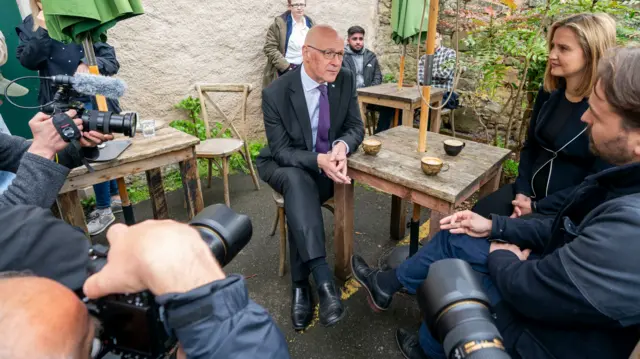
361,334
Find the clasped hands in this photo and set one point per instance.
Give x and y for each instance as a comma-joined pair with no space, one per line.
474,225
334,164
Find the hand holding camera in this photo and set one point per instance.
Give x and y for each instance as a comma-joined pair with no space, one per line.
162,256
47,141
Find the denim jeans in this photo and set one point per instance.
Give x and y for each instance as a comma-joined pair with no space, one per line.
445,245
5,180
104,191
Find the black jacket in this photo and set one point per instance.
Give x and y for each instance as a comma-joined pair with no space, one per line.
38,52
581,299
371,68
38,180
217,320
288,127
568,155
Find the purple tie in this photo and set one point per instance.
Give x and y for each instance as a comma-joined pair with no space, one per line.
324,122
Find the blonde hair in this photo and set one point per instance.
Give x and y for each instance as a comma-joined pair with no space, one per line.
596,34
35,10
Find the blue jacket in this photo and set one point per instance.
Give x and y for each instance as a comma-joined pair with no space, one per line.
219,320
581,297
39,52
568,155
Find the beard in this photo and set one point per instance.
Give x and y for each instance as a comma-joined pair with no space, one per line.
614,150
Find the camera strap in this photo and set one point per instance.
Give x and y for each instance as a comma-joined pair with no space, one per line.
70,133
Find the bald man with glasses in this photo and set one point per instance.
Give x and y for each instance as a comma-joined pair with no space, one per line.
313,123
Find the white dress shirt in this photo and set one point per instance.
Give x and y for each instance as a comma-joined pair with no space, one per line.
296,41
312,96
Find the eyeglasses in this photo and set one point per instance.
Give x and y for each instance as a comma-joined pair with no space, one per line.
329,54
298,5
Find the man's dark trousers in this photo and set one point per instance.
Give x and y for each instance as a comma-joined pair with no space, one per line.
304,193
414,270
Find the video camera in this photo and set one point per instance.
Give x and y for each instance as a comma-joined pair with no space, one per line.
132,324
456,311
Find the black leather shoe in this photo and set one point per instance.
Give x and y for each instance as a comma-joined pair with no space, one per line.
409,345
331,309
366,276
301,308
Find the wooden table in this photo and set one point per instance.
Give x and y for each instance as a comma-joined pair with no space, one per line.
168,146
407,99
396,170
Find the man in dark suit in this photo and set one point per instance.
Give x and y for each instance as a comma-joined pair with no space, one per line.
312,122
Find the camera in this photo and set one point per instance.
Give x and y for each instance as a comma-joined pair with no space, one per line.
105,122
132,324
457,312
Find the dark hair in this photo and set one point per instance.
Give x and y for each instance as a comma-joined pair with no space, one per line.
619,76
355,30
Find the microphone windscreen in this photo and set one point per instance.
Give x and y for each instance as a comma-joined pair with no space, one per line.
92,85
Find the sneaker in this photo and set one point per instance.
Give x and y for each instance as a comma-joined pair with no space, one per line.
99,220
116,206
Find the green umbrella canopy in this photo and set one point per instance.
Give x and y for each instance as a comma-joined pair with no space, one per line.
69,20
406,16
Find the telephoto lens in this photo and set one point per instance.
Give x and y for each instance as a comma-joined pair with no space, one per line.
109,122
224,231
457,312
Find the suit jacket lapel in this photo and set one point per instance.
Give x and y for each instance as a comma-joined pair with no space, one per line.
299,103
334,105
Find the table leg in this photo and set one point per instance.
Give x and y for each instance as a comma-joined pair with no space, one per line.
434,223
491,186
343,229
398,218
156,190
407,118
363,113
191,185
71,210
434,115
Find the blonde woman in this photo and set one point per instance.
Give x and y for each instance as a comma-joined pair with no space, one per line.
285,37
556,155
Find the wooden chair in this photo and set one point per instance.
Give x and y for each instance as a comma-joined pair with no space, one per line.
219,150
281,221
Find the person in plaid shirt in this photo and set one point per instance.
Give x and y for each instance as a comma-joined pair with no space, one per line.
444,61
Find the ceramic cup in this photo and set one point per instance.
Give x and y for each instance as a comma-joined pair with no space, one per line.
371,146
453,147
431,166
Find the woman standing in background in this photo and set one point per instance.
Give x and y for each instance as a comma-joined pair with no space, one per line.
285,38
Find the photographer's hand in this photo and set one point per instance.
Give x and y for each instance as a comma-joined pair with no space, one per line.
467,222
162,256
46,139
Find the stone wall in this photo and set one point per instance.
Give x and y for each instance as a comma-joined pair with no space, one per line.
178,43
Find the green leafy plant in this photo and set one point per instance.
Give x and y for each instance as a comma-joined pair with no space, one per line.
510,168
387,78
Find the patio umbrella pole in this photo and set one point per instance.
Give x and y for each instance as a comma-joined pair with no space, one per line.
127,208
426,90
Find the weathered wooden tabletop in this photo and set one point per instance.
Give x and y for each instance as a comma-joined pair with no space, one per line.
166,140
399,162
390,91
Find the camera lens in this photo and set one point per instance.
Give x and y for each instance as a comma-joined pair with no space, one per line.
457,311
109,122
224,231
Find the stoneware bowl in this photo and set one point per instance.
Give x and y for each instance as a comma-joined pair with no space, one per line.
431,166
453,147
371,146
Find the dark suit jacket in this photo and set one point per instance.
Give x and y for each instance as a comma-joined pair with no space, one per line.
288,127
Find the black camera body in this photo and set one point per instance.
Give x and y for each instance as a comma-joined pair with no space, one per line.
457,312
105,122
133,324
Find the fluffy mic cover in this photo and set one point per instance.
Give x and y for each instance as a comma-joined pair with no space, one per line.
92,85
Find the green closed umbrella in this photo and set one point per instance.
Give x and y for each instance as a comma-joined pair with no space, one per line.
406,18
72,20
